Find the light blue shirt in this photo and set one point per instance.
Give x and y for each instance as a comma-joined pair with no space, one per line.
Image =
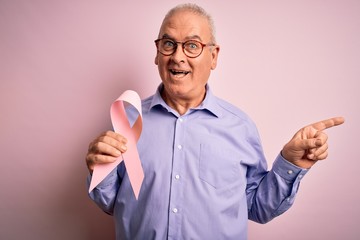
205,176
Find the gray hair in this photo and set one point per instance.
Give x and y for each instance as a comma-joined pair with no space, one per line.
192,7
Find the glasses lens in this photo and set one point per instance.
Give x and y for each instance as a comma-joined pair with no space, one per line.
166,46
192,48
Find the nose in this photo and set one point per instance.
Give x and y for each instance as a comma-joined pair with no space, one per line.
179,55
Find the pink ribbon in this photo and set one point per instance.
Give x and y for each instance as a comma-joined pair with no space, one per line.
131,158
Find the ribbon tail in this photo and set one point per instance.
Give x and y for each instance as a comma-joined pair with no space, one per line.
133,167
101,171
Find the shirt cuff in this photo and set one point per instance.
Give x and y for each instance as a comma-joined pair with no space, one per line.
108,180
287,170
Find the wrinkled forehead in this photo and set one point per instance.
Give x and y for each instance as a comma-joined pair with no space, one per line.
184,24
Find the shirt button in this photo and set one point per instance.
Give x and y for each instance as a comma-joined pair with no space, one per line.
177,176
179,147
290,172
175,210
181,120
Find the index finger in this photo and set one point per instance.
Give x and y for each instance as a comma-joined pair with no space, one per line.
328,123
116,136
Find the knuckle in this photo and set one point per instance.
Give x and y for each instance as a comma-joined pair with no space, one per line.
106,133
91,161
88,158
102,139
97,158
107,149
96,147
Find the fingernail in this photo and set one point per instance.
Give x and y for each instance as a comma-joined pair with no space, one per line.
123,147
318,142
310,156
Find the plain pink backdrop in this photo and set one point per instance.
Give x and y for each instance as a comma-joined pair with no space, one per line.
62,63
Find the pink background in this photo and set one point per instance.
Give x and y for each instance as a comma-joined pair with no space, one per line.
62,63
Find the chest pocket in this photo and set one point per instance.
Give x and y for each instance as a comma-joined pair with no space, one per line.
218,167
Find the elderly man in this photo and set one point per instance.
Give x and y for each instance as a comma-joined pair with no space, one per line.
205,172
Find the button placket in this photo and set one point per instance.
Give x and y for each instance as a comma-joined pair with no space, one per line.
176,186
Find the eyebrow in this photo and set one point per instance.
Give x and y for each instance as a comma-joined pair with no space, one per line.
186,38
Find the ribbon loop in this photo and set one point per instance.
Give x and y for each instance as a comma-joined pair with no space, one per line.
131,157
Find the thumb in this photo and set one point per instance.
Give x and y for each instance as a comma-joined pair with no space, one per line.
305,144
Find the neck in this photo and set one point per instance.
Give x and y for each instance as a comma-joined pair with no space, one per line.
182,105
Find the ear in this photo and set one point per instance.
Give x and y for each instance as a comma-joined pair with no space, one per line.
157,58
214,55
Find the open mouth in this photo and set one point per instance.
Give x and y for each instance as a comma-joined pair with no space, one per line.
179,73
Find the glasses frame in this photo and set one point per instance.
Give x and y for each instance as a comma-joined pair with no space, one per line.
183,46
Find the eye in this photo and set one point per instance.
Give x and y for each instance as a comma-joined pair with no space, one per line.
168,43
192,45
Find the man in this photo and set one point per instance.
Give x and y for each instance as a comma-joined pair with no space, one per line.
205,173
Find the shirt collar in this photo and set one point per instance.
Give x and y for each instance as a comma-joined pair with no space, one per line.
209,103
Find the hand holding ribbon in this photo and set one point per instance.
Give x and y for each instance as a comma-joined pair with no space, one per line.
131,158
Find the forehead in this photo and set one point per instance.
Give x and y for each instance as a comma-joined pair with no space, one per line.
185,24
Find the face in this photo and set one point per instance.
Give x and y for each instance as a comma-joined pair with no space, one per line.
183,77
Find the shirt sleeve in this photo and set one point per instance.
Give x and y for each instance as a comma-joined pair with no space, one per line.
276,191
104,194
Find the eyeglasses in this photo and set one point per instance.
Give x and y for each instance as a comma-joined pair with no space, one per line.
191,48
